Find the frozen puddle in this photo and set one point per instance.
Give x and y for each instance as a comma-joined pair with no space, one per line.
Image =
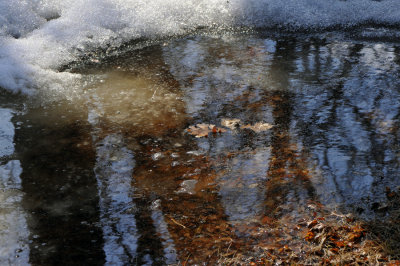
115,177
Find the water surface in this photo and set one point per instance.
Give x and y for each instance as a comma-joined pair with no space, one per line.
114,177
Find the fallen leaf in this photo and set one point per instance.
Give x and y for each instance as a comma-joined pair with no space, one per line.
218,130
310,236
358,229
340,244
199,130
312,223
353,237
273,257
267,220
202,130
326,262
391,195
319,227
258,127
334,250
230,123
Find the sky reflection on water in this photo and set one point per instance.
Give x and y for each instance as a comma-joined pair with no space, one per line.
120,171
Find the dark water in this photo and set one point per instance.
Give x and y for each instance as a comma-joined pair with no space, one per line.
114,177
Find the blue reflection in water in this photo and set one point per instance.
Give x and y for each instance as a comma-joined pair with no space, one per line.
114,168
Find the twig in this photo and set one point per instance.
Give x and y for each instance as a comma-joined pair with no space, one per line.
185,263
154,94
172,219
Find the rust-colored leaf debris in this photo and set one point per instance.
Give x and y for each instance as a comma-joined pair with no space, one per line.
202,130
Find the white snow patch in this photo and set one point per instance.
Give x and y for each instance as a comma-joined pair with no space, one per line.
39,36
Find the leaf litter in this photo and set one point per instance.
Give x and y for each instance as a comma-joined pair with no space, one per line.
203,130
319,237
324,237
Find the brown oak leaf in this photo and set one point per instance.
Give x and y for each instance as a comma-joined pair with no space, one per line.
230,123
202,130
258,127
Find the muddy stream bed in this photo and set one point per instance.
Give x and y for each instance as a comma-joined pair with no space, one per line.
203,150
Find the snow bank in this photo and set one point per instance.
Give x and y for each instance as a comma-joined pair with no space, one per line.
39,36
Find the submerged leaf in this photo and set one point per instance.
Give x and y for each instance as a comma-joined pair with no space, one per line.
310,236
258,127
334,250
340,244
230,123
202,130
312,223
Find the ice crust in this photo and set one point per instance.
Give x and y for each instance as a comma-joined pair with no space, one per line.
14,233
6,132
39,36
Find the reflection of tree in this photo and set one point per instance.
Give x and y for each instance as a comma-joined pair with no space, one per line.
196,223
304,90
344,126
288,173
150,246
170,226
343,108
59,188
